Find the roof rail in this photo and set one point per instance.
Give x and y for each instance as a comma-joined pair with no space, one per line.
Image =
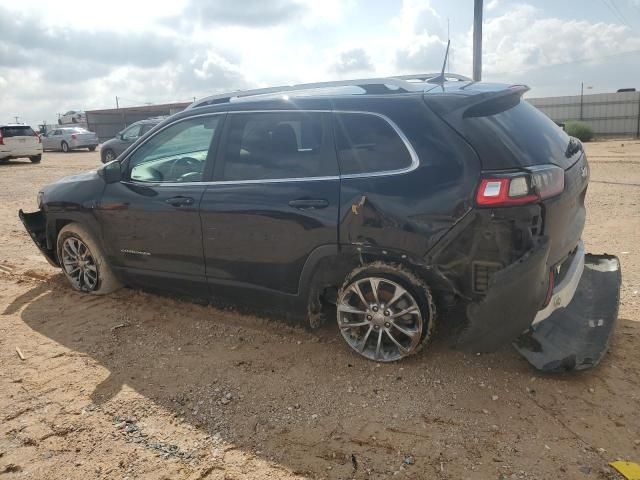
400,84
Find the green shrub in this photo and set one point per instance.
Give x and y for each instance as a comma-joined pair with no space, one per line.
580,130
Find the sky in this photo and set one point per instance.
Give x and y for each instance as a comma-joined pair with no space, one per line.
56,57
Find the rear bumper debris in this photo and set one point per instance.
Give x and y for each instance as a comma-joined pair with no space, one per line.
577,337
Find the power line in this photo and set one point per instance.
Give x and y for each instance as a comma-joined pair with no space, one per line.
616,13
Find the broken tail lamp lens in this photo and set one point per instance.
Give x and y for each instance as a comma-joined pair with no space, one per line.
539,183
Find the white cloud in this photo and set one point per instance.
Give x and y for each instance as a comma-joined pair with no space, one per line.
421,37
172,51
523,39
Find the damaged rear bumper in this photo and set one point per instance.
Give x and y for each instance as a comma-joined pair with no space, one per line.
577,337
571,332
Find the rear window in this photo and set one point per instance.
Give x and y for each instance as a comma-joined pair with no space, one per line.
17,131
368,144
518,136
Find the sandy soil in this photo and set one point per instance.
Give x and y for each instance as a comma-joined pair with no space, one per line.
143,387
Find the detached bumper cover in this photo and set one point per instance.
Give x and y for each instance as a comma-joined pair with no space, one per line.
513,299
577,337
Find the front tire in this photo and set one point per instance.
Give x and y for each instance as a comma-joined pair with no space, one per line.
83,262
35,158
385,312
64,146
108,155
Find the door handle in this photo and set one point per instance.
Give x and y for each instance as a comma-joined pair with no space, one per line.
179,201
309,204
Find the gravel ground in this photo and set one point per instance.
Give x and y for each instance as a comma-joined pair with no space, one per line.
144,387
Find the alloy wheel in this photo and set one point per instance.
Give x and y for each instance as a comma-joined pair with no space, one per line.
380,319
79,264
109,156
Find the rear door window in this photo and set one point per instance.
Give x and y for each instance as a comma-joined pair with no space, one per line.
17,131
282,145
368,143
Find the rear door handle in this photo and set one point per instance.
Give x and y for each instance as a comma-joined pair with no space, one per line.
179,201
309,204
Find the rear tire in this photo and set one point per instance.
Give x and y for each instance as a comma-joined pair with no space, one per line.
64,146
83,262
389,322
35,159
92,149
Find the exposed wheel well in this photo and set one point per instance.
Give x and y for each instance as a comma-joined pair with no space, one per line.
330,273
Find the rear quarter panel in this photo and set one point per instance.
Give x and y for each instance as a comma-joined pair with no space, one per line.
410,212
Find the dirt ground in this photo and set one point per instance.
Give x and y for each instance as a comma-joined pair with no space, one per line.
143,387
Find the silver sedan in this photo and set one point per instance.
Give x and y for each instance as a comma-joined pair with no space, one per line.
69,138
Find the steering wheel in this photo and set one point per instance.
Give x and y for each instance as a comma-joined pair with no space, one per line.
185,163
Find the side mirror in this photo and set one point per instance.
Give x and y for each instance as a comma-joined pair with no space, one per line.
121,136
112,172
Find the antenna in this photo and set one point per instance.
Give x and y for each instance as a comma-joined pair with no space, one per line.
448,40
441,78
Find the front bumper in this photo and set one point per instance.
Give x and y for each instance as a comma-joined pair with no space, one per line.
36,225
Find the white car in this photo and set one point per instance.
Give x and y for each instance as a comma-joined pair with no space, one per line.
70,138
19,141
72,116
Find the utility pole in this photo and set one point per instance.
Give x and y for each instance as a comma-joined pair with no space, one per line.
477,40
581,97
117,106
16,117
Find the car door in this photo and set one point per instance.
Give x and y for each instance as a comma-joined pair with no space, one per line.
150,220
49,142
274,199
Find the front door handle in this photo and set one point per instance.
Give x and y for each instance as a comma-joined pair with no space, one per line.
309,204
180,201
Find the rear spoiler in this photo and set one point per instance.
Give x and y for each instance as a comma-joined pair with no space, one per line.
470,103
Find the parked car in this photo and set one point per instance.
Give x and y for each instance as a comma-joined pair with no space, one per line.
124,139
19,141
70,138
72,116
398,204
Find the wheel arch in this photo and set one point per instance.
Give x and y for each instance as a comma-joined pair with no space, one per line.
328,266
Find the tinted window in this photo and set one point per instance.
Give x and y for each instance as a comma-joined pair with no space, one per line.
176,154
278,145
517,135
367,143
17,131
131,133
145,128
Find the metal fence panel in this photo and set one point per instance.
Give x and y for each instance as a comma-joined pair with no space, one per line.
609,114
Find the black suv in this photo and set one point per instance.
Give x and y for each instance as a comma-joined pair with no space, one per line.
384,200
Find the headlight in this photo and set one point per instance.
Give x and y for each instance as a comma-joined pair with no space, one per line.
39,200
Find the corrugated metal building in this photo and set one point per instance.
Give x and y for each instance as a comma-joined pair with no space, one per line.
609,114
107,123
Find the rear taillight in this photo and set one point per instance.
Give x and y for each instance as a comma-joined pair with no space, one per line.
505,189
35,134
73,136
1,139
